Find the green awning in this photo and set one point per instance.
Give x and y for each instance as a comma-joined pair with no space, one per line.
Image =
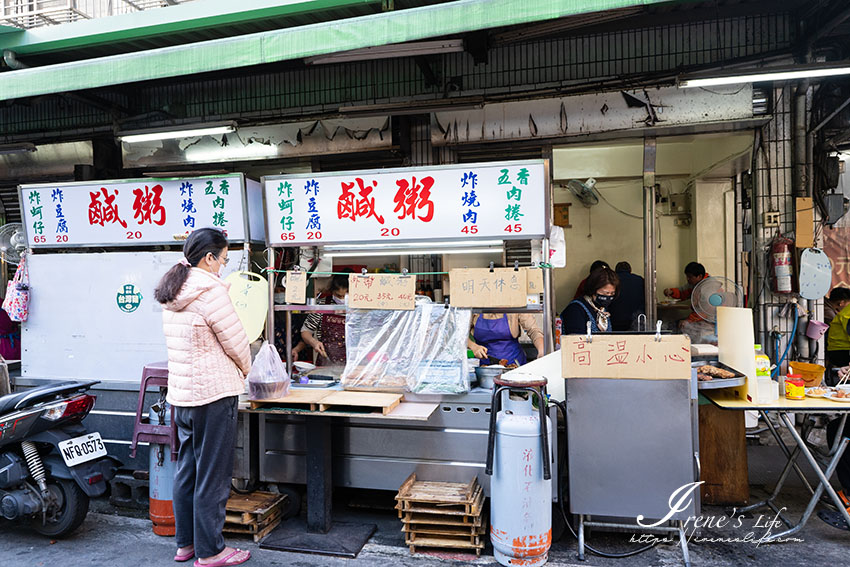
294,43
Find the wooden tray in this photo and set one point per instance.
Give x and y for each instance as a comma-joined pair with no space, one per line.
449,498
415,519
338,401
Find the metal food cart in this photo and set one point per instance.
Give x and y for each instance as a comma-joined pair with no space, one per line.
400,209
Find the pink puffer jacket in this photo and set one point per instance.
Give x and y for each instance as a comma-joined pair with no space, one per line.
208,353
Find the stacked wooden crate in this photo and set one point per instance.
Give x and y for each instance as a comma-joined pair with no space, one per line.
255,514
442,514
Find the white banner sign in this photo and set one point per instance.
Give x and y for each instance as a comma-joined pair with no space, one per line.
494,200
131,213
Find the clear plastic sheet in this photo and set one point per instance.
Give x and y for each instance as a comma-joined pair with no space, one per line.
422,350
268,378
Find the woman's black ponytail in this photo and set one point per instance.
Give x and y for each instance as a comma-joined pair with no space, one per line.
200,243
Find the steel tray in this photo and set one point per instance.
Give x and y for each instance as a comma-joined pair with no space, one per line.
739,380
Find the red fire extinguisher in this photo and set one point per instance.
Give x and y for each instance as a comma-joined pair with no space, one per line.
782,265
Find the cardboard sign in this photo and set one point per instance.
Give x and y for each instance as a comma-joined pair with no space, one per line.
626,356
534,280
296,287
500,287
381,291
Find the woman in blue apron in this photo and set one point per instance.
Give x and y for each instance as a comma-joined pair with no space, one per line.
496,336
600,290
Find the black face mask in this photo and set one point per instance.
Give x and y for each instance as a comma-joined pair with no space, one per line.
603,300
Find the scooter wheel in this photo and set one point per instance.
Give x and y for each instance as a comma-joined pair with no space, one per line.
73,505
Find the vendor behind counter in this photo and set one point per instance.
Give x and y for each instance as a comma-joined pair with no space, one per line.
600,291
496,336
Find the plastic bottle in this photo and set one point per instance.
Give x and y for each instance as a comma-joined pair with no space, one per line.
762,363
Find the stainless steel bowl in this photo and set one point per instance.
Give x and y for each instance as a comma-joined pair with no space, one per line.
486,374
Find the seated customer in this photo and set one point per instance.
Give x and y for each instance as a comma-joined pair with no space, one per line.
630,301
601,289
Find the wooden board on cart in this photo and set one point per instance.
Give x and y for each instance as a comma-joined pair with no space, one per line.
303,397
378,400
334,400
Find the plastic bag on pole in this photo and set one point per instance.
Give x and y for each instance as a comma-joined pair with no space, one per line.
422,350
268,378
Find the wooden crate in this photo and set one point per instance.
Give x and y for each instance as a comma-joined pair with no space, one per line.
255,514
442,514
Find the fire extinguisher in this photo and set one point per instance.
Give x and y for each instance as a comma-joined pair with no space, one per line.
782,265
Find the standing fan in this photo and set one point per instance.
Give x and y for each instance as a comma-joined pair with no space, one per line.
584,191
714,292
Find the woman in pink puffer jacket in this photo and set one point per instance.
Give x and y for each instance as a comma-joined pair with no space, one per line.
208,359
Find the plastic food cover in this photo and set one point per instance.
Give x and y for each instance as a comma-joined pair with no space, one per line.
268,378
422,350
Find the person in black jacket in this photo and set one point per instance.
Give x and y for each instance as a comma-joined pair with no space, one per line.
630,301
600,291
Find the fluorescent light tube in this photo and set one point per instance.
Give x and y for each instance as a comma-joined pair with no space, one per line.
410,49
413,252
152,135
784,74
417,245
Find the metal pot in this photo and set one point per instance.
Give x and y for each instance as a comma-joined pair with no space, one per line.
486,374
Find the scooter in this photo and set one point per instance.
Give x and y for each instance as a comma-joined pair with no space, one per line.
50,466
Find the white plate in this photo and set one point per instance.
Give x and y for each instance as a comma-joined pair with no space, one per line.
82,449
810,395
831,395
303,367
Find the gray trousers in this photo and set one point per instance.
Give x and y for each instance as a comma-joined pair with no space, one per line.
204,471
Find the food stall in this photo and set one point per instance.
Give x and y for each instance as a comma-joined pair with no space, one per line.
97,249
454,209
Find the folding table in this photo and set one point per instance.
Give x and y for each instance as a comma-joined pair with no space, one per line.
784,408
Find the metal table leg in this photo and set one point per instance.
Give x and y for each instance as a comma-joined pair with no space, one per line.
823,477
319,534
683,542
786,450
581,537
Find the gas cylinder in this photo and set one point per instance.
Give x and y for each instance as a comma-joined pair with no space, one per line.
161,483
520,499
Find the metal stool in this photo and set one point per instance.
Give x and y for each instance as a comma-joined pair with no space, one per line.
534,386
153,375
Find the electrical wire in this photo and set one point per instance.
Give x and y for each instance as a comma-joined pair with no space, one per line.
621,211
788,346
562,407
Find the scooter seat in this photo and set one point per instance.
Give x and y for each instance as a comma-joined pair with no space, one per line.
9,401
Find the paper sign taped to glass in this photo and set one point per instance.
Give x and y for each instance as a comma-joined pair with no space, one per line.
641,357
422,350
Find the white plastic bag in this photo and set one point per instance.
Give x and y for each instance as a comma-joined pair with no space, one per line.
268,378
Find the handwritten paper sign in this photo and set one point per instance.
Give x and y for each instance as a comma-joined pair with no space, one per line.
132,213
482,287
626,356
296,287
534,280
381,291
477,201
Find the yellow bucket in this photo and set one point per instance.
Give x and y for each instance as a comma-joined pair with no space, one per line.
812,374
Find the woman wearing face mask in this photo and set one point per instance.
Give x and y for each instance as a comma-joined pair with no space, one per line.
600,291
208,358
325,332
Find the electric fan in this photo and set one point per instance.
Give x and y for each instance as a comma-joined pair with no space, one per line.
12,242
584,191
713,292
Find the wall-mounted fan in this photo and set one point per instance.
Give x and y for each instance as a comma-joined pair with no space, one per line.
12,242
713,292
584,191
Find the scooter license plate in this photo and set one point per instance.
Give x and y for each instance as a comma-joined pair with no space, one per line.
82,449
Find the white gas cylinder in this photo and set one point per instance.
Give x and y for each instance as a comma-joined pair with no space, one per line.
520,499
